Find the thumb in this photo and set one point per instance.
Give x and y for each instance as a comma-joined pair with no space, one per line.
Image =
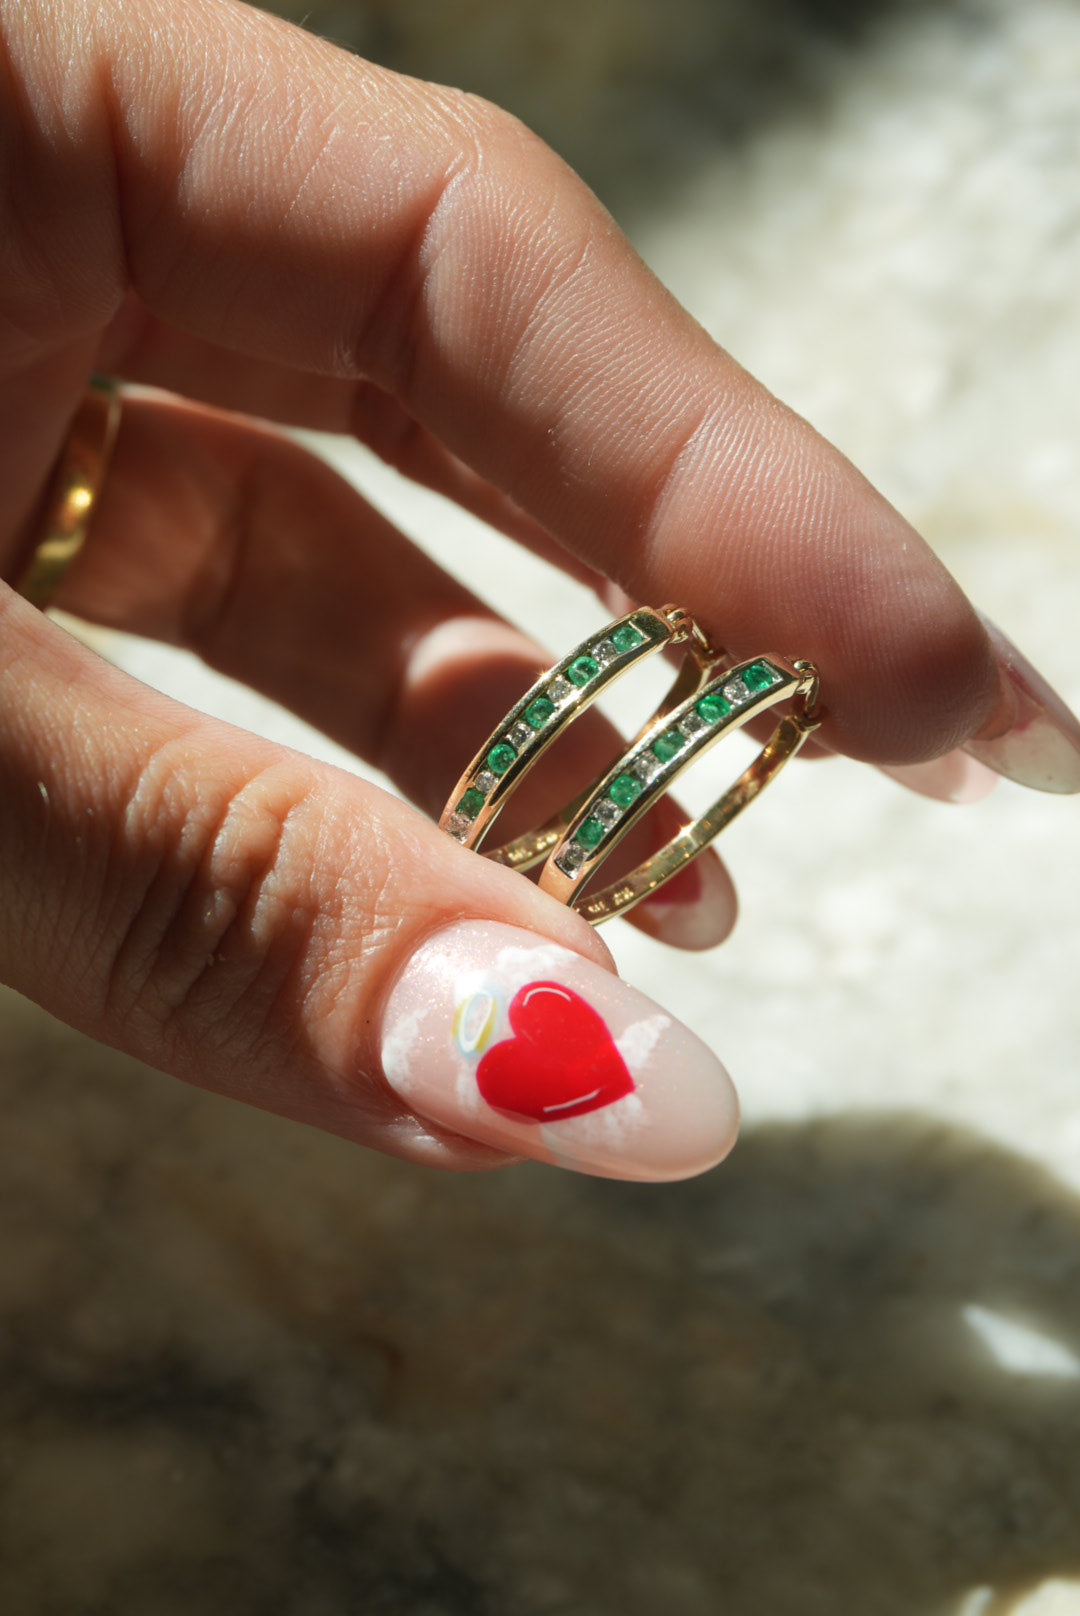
272,928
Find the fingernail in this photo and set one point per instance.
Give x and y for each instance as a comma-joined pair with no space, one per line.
695,910
956,777
493,1033
1032,737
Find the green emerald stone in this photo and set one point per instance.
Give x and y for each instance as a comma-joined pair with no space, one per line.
538,712
667,745
471,803
590,834
581,670
624,789
500,757
712,708
758,676
626,637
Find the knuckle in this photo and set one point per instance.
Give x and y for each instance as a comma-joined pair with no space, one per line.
494,241
227,922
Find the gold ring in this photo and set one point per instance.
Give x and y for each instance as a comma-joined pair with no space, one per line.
73,491
650,766
711,697
548,707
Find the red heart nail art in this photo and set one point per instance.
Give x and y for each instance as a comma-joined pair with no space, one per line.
561,1062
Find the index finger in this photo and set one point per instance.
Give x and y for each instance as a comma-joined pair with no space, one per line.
258,188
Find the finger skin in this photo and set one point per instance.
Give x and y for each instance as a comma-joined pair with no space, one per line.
242,917
143,349
213,533
225,910
255,187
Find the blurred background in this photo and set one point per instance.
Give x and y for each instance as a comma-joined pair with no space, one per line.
250,1368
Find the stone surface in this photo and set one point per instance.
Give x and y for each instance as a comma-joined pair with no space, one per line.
501,757
758,676
624,789
692,724
471,803
571,859
667,745
712,708
538,712
590,833
582,670
626,637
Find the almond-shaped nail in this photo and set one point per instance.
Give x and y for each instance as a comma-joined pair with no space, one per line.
493,1033
1032,737
695,910
956,777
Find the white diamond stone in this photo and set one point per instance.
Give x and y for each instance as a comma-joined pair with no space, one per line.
693,724
571,859
486,781
519,736
604,652
736,692
607,812
647,767
560,689
457,826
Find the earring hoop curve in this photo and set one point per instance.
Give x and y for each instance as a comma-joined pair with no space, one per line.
711,697
652,763
548,707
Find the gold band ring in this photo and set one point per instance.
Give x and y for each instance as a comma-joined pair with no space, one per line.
73,491
711,697
557,698
650,766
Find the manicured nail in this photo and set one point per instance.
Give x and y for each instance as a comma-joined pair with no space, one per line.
496,1034
956,777
695,910
1032,737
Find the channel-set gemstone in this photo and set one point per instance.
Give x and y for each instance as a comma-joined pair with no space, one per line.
500,757
607,812
590,834
626,637
559,689
758,676
458,827
736,692
571,859
538,712
712,708
471,803
582,670
692,724
519,735
604,652
646,767
486,781
667,745
624,790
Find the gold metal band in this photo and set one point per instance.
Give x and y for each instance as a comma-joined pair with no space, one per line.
711,697
559,696
653,762
73,491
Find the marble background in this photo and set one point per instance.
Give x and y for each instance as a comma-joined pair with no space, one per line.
247,1368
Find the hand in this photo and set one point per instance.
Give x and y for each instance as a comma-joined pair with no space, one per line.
203,199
